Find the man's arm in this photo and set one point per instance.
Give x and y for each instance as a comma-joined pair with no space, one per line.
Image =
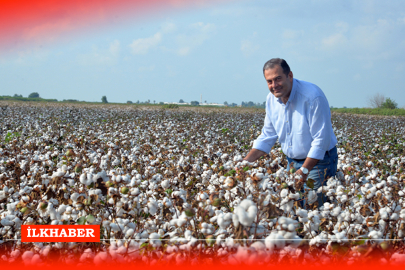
263,144
254,155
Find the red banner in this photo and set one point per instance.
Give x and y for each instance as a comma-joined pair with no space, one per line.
60,233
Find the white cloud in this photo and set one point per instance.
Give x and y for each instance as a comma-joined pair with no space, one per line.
101,56
200,33
142,45
357,77
248,47
290,34
183,51
115,47
382,39
146,68
334,41
168,27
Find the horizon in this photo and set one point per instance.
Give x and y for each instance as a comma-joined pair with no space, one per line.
351,50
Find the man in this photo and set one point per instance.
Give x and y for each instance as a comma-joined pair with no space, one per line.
298,115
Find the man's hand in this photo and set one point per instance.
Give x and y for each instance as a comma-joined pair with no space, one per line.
302,178
309,163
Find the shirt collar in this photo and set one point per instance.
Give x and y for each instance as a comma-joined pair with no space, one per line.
292,94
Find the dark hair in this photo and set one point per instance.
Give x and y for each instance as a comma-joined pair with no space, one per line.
277,61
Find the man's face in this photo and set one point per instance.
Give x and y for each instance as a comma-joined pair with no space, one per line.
279,84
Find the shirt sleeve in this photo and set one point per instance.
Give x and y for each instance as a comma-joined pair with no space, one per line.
268,137
319,124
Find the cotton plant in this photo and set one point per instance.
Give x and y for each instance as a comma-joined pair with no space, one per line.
181,176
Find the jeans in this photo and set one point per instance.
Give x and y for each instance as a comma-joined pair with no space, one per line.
326,167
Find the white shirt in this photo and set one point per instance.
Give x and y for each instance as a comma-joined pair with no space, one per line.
302,125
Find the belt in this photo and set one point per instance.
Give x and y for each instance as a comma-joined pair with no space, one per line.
301,160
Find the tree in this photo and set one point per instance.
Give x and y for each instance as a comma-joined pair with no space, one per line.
376,101
389,104
104,99
33,95
226,103
129,102
181,101
16,95
195,103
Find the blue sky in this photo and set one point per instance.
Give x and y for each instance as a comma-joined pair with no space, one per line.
351,49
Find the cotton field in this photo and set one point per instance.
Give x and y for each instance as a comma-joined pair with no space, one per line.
170,186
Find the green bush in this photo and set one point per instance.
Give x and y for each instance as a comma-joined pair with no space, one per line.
33,95
171,106
389,104
371,111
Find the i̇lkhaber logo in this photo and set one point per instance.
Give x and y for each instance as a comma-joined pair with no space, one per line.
60,233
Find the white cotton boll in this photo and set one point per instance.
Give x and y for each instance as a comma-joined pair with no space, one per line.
224,220
294,196
274,240
246,212
153,207
114,227
394,216
384,215
291,227
181,222
302,213
312,197
83,178
6,222
165,184
129,233
284,193
287,206
336,211
155,239
258,175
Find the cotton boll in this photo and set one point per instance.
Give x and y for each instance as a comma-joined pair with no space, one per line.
336,211
294,196
246,212
101,258
274,240
153,207
165,184
394,216
284,193
312,197
155,239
